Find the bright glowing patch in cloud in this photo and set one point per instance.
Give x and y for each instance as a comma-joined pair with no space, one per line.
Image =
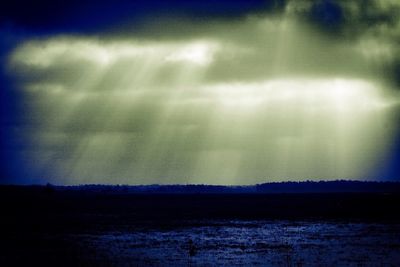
197,53
58,51
336,95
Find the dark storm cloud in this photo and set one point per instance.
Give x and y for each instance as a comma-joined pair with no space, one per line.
365,20
327,14
88,15
347,17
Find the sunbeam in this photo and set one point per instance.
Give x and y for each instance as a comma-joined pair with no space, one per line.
269,99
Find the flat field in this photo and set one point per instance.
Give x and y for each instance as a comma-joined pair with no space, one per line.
42,227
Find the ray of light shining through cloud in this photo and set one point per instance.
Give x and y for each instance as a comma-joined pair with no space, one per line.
256,99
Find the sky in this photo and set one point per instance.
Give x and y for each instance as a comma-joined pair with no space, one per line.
200,92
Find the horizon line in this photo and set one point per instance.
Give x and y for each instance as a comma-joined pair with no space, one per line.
210,185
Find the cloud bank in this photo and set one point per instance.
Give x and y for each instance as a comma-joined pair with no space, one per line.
294,91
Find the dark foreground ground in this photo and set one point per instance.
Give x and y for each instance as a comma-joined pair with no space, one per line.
43,226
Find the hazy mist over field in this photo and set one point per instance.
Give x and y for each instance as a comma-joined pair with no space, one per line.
286,90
